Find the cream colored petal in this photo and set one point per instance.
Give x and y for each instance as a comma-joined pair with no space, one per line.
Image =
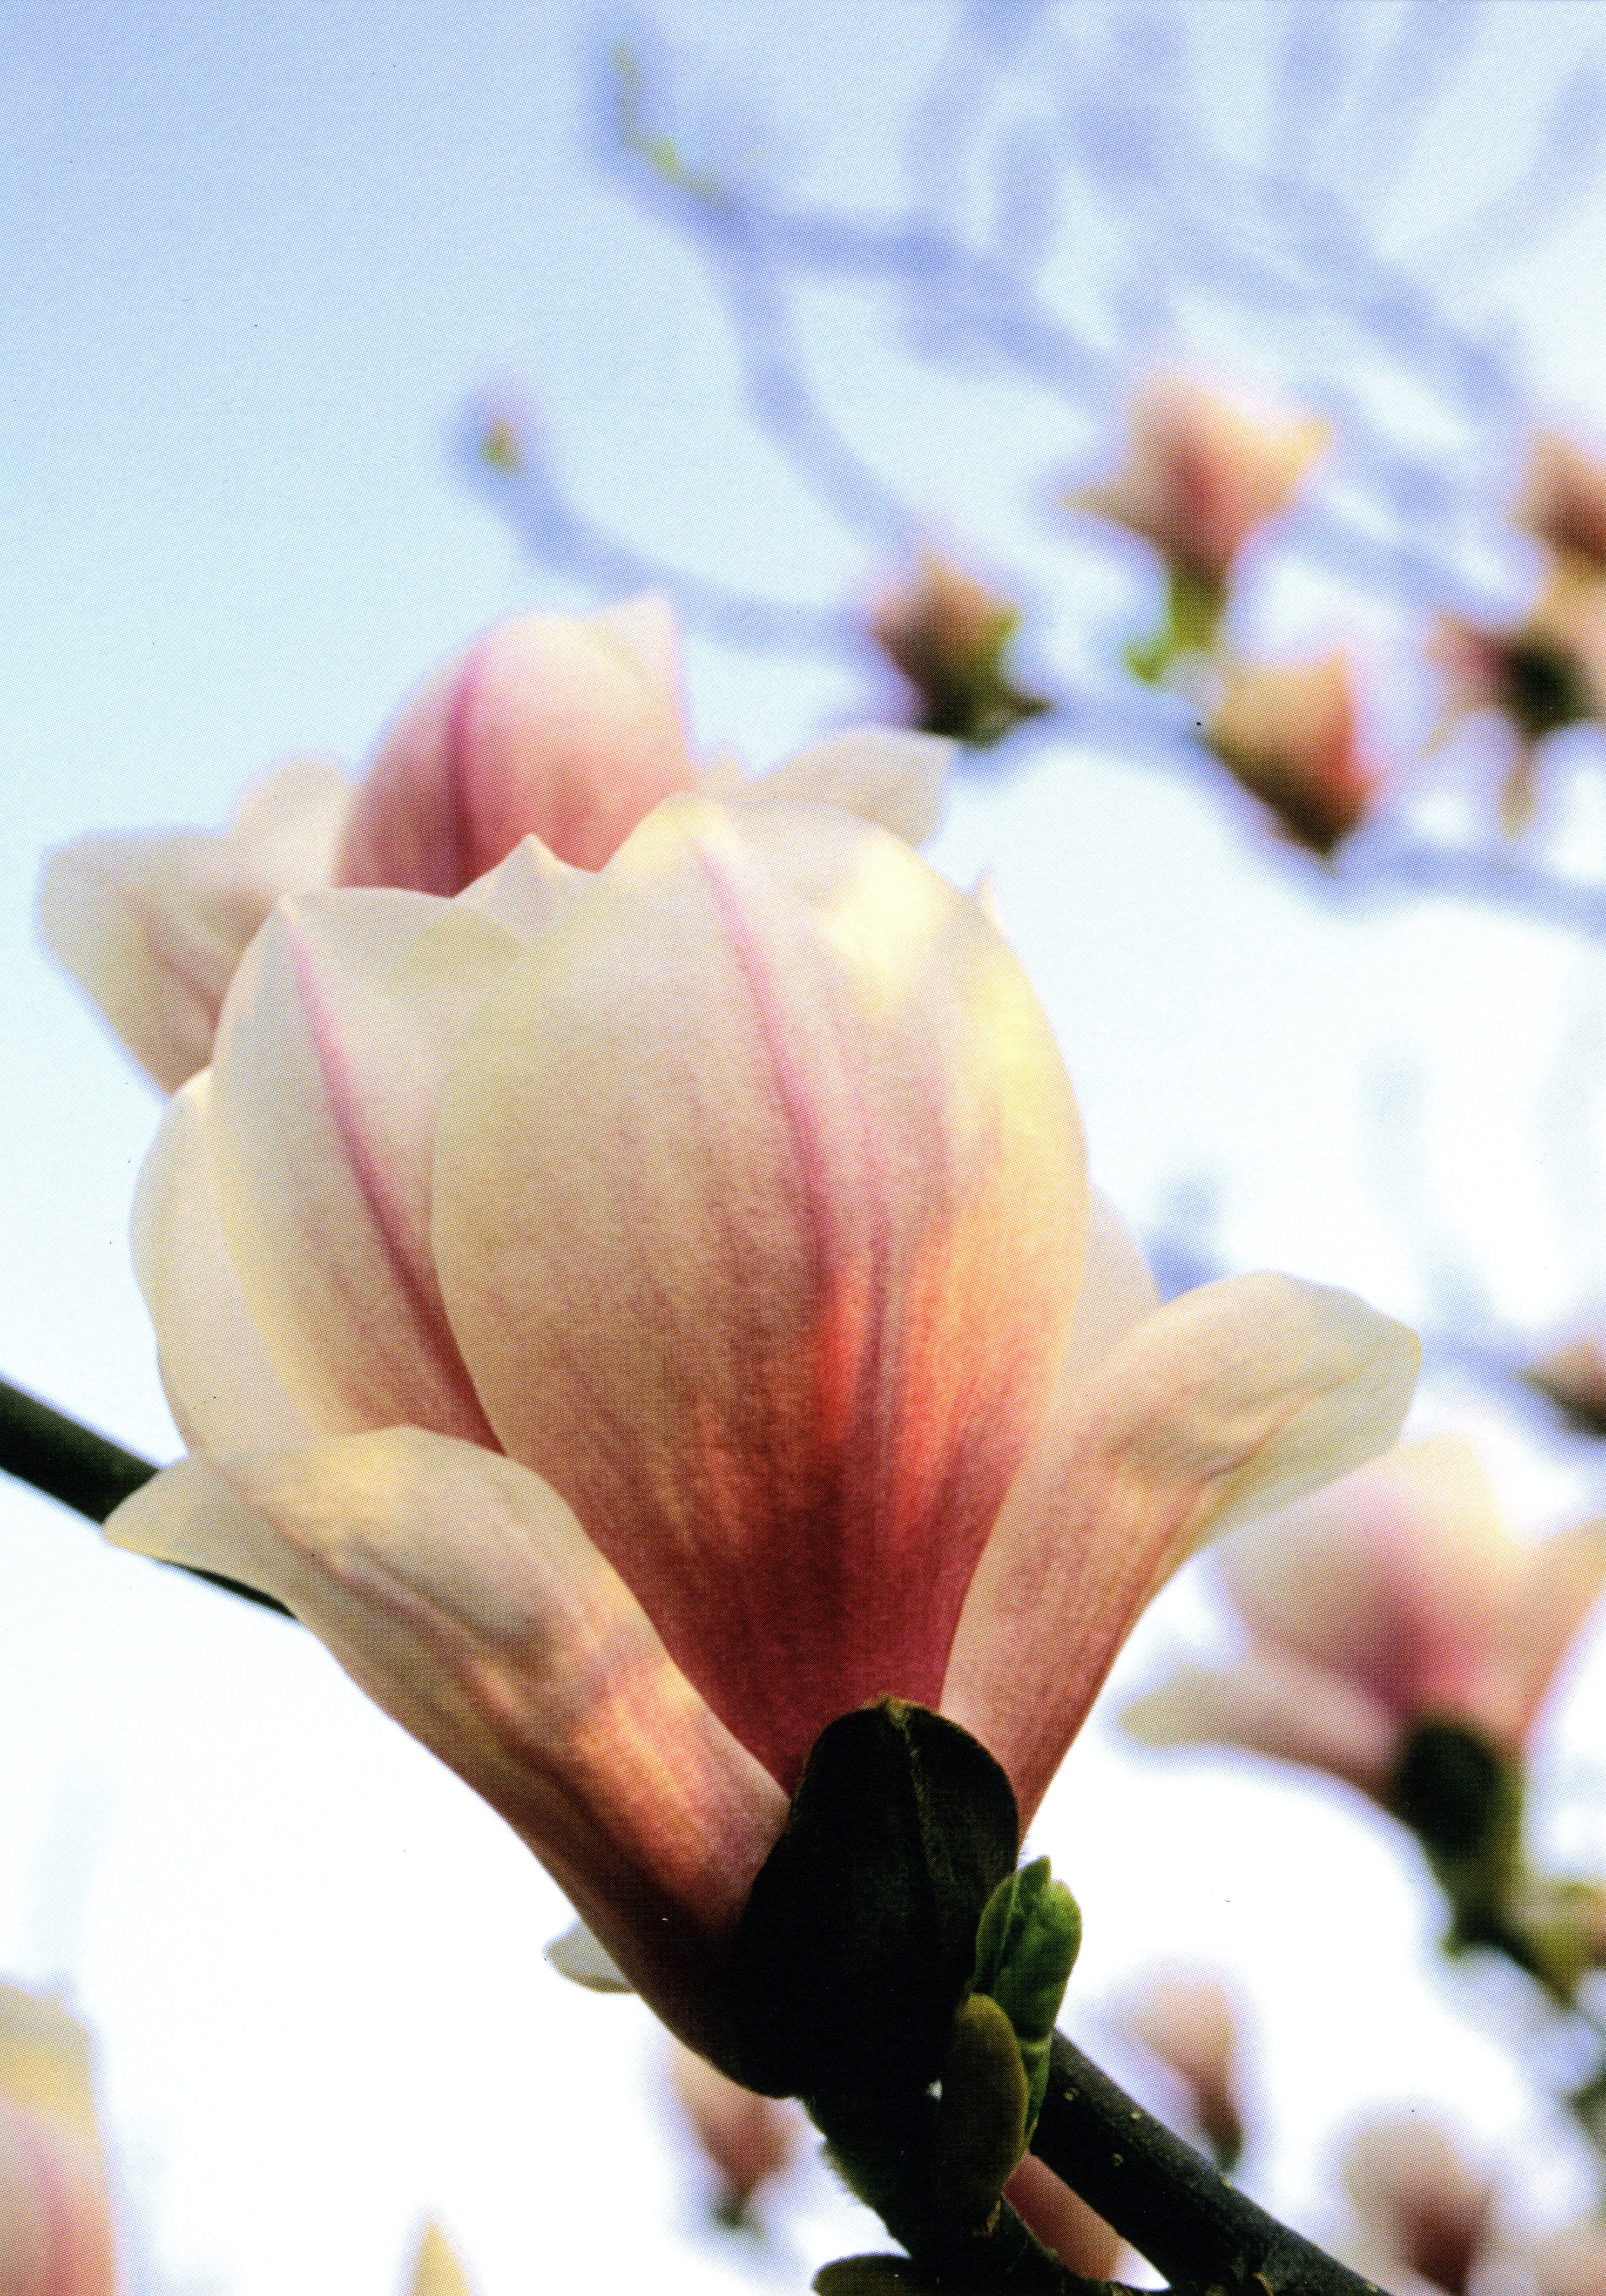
330,1054
221,1386
1117,1291
1274,1703
1401,1576
576,1955
153,925
895,779
460,1593
524,893
758,1213
1231,1399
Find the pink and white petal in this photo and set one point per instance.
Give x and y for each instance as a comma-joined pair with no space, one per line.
1231,1399
153,925
221,1387
895,778
549,726
1274,1703
1402,1576
460,1593
330,1054
1117,1291
758,1212
1561,1586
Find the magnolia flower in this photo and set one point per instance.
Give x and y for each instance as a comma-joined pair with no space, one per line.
1426,2215
1201,475
1542,674
634,1319
1394,1596
55,2207
567,730
747,2140
1563,499
947,634
1289,733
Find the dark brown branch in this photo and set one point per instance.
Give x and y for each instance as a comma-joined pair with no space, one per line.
86,1472
1165,2199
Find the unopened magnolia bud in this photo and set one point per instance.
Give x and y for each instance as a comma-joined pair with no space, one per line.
1188,2023
1290,734
1202,475
980,2116
948,634
1574,1377
1421,2201
747,2139
1563,499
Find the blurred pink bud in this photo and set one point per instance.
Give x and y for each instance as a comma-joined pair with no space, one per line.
947,634
636,1318
1188,2022
1563,499
1289,733
1542,674
1421,2206
748,2140
55,2208
564,728
1202,475
1393,1595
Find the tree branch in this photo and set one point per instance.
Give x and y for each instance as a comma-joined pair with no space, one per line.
86,1472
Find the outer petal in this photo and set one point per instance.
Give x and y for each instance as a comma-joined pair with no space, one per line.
329,1061
567,730
463,1597
221,1387
895,779
152,926
758,1215
1274,1703
1231,1399
1117,1291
